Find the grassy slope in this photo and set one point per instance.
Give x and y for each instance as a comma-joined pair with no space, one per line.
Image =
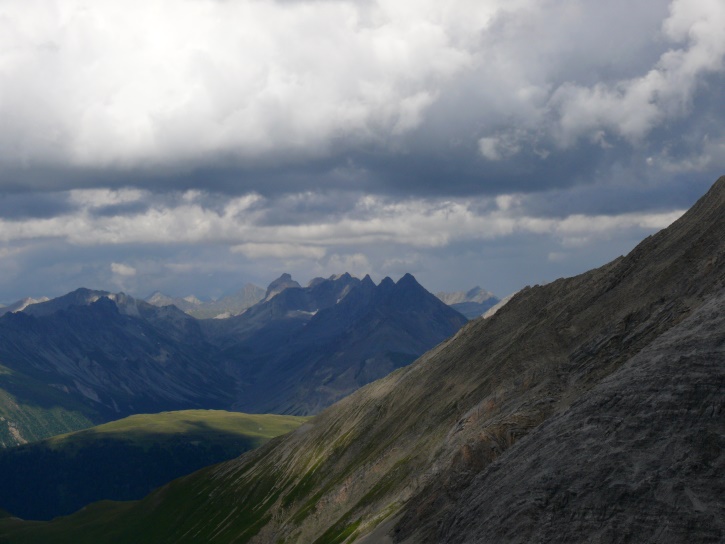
147,429
126,459
23,420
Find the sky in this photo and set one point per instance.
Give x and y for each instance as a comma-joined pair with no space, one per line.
192,146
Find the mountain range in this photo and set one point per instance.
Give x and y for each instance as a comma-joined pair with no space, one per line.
589,409
91,356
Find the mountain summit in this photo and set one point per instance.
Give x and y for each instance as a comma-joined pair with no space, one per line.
285,281
588,409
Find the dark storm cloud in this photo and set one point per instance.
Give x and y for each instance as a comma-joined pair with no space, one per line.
248,139
308,207
481,98
127,208
34,205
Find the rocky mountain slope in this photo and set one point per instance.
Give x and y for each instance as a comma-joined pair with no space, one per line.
20,305
605,389
657,424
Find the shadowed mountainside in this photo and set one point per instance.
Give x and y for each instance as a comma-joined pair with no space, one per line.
605,358
308,347
126,459
107,356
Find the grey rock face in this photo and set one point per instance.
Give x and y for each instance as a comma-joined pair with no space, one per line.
640,458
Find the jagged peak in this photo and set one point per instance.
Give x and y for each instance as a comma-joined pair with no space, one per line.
22,304
386,283
285,277
285,281
334,277
316,281
408,280
80,297
343,276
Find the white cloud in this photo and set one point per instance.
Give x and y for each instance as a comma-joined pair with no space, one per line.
279,251
631,108
271,85
156,81
497,148
94,198
242,225
123,269
355,263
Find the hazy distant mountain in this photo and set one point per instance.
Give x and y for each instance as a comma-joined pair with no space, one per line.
586,410
187,304
472,303
227,306
21,304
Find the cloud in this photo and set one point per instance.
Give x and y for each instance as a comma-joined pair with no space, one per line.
43,205
278,250
356,263
631,107
242,224
193,80
247,138
124,270
497,148
253,96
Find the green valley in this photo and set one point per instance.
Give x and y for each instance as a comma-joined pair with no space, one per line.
126,459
